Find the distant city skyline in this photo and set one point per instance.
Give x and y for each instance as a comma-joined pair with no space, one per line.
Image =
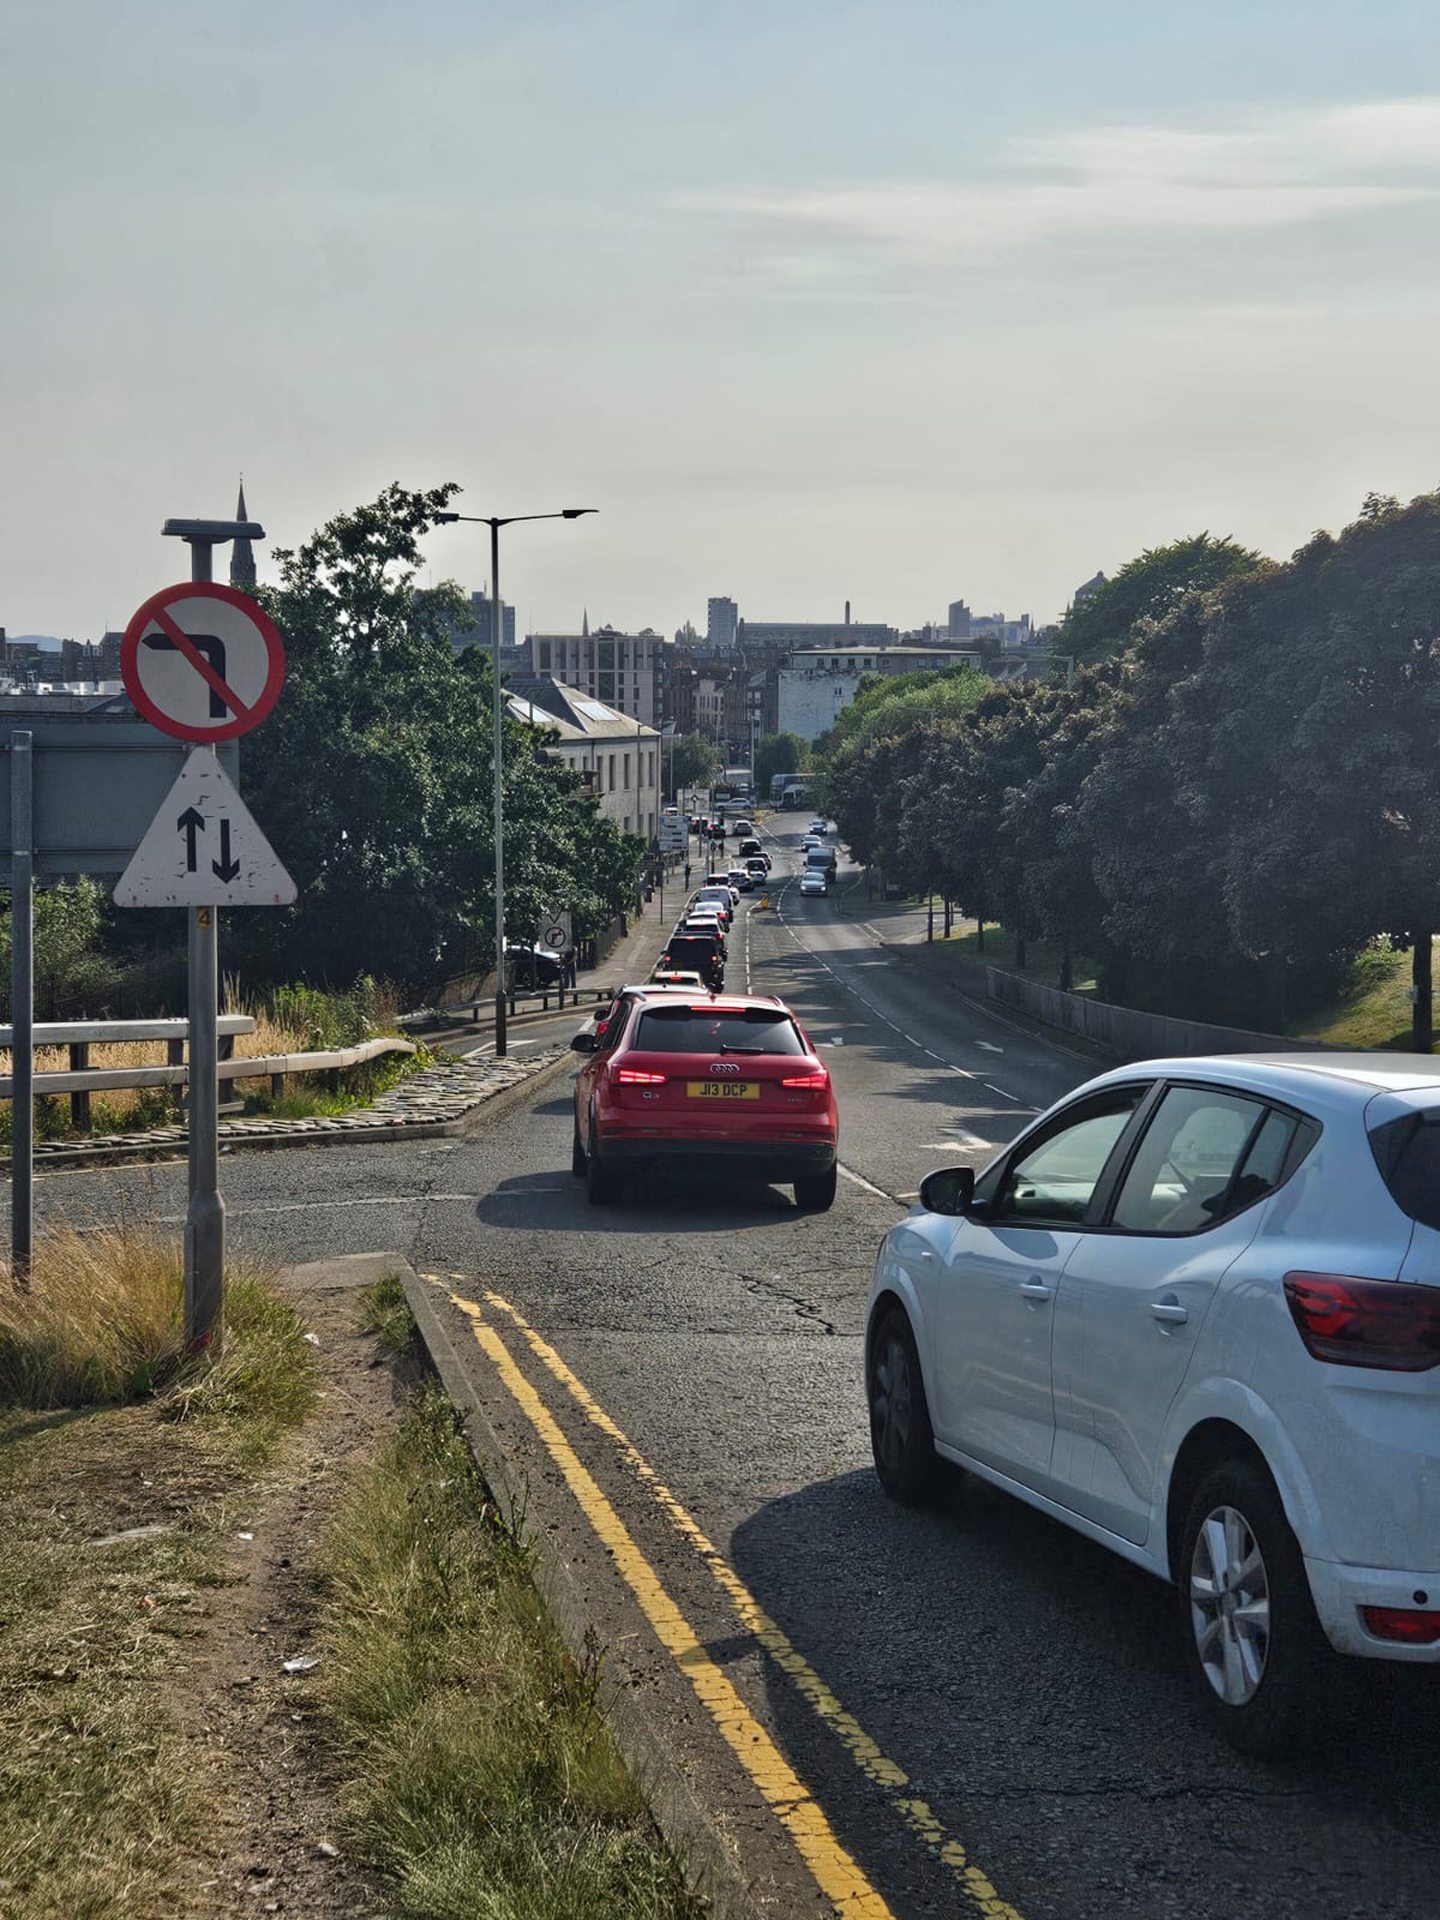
983,300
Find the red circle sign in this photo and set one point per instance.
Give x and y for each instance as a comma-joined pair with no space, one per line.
202,661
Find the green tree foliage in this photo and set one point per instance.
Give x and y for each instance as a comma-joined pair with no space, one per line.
1149,588
74,976
691,761
779,753
373,776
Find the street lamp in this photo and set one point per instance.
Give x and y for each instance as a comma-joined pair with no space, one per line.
495,522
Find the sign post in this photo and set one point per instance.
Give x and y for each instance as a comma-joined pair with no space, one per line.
22,1007
203,662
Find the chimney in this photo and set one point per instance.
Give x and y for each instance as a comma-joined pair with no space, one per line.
847,613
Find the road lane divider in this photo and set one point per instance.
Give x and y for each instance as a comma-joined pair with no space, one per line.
838,1876
980,1895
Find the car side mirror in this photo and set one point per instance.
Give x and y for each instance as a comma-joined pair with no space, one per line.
583,1043
948,1190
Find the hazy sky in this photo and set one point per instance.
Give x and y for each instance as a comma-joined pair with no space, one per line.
898,302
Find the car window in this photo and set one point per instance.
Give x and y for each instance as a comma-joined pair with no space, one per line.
609,1030
682,1029
1185,1174
1407,1152
1053,1181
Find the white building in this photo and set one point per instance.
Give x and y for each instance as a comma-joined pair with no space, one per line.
820,683
722,616
617,756
622,670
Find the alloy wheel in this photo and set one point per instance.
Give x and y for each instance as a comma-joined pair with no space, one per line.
891,1414
1230,1605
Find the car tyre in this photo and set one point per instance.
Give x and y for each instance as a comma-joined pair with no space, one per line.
902,1440
815,1192
599,1180
577,1154
1256,1652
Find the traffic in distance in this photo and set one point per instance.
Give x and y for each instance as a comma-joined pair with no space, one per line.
1191,1311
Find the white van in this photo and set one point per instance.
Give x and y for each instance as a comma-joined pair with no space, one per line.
821,859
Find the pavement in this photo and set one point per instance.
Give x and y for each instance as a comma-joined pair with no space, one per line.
982,1711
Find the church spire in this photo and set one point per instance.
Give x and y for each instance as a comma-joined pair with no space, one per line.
242,554
585,625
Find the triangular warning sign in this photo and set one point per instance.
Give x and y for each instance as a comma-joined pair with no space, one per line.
203,849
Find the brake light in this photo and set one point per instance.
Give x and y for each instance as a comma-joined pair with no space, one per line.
1389,1324
821,1079
638,1077
1410,1626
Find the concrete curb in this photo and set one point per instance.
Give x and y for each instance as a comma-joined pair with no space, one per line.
705,1860
122,1152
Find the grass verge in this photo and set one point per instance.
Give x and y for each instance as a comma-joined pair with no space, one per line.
481,1777
385,1312
1373,1010
113,1519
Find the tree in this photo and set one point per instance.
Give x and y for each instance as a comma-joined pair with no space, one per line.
73,974
692,762
1149,588
779,753
374,775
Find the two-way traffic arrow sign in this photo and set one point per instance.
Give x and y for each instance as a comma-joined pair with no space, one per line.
203,849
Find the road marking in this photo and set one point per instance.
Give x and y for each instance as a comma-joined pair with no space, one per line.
988,1046
836,1874
861,1181
886,1774
972,1140
1003,1092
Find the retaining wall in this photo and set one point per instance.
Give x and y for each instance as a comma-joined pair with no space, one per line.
1125,1033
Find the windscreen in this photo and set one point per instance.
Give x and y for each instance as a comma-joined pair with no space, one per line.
1407,1152
716,1030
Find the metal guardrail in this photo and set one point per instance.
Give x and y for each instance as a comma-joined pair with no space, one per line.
81,1083
80,1035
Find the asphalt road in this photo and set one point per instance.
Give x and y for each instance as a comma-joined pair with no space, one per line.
1018,1740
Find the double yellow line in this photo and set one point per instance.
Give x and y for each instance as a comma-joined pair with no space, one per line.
833,1869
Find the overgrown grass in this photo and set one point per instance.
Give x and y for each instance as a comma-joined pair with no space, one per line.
97,1790
359,1085
385,1312
101,1321
481,1777
1373,1009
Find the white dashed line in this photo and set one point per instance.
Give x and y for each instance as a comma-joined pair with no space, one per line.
869,1186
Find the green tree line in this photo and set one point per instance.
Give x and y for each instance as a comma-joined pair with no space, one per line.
1237,793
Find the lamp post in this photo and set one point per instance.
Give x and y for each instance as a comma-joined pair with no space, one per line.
495,522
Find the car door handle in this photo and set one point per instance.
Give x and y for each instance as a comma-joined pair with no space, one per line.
1170,1311
1036,1289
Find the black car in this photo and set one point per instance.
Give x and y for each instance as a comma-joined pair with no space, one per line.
532,966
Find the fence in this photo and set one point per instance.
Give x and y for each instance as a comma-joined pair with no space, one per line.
1126,1033
80,1080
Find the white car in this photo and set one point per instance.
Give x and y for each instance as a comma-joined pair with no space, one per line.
818,826
813,882
811,840
1193,1312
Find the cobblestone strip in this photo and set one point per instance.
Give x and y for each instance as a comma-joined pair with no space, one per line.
438,1096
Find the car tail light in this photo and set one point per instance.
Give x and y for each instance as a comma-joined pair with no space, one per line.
638,1077
817,1080
1391,1324
1409,1626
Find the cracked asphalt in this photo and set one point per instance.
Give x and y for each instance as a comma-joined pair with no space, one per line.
1020,1682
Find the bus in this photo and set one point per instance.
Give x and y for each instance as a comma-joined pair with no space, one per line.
792,794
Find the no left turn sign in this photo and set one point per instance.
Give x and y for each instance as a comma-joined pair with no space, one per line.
202,661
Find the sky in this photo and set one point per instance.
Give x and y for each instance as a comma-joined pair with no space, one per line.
896,303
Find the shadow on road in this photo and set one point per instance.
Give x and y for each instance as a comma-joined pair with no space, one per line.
665,1201
1029,1682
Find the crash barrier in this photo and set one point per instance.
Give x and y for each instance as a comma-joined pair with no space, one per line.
1124,1032
81,1080
523,999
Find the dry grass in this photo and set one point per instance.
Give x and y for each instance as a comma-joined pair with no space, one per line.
480,1775
101,1321
98,1791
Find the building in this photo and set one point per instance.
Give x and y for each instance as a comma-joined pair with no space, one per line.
242,552
820,683
482,634
768,645
721,628
623,670
959,622
616,756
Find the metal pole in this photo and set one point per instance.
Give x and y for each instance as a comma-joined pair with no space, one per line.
496,624
22,1008
205,1213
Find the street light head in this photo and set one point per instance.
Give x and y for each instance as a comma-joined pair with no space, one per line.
574,513
447,516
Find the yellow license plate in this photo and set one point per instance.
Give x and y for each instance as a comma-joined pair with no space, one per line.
723,1089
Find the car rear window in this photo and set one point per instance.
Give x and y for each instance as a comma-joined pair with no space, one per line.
1407,1152
717,1030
